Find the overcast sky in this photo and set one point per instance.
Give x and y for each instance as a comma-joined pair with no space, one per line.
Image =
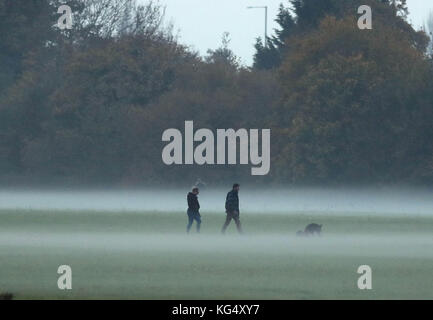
201,23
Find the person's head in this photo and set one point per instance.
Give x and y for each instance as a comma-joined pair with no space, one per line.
195,190
236,186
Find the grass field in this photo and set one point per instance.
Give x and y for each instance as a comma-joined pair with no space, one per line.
146,255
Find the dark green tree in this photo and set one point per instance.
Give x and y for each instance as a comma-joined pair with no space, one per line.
301,16
270,57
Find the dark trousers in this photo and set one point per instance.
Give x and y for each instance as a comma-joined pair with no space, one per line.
235,216
193,215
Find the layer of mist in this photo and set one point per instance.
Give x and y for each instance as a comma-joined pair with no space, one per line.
396,245
384,201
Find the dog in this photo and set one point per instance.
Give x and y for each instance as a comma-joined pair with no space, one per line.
310,230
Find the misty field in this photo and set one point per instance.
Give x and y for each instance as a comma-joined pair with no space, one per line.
146,255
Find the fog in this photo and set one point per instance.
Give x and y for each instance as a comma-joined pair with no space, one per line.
396,245
380,201
122,248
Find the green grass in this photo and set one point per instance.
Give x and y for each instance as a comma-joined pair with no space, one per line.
145,255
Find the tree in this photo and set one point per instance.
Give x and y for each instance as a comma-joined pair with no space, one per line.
25,26
429,30
223,54
47,114
302,16
356,106
270,57
89,104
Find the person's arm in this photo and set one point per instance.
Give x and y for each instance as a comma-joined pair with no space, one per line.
230,205
237,203
190,201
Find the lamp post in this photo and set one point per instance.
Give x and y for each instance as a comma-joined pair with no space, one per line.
266,21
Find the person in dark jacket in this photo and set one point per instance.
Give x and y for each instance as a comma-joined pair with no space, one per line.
232,209
193,209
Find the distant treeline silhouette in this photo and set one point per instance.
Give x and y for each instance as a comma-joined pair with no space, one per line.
89,105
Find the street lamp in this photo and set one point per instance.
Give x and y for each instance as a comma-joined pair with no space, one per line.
266,21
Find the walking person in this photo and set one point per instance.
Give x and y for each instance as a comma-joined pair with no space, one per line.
193,210
232,208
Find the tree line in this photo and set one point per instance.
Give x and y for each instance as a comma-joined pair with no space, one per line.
89,104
